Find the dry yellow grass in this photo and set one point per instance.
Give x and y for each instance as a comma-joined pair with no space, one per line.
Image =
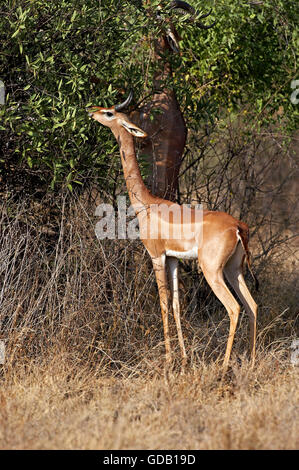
58,405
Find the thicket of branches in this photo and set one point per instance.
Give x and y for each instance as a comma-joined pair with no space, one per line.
96,300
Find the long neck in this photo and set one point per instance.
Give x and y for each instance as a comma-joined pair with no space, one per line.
138,192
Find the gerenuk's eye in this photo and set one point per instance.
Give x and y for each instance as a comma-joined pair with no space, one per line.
109,114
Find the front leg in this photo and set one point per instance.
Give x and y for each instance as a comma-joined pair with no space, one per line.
174,281
161,278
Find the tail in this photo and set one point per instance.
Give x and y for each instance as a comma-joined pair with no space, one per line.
243,234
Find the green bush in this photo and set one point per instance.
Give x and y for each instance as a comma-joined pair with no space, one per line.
59,57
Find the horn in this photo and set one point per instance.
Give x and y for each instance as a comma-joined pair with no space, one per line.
182,5
185,6
119,107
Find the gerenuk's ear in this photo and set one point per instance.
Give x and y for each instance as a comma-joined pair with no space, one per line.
134,130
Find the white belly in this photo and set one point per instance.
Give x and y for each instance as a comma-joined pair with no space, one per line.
191,254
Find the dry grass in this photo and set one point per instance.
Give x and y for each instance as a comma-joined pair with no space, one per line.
84,349
59,405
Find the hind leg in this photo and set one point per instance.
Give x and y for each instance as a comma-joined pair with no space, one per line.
233,271
220,289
